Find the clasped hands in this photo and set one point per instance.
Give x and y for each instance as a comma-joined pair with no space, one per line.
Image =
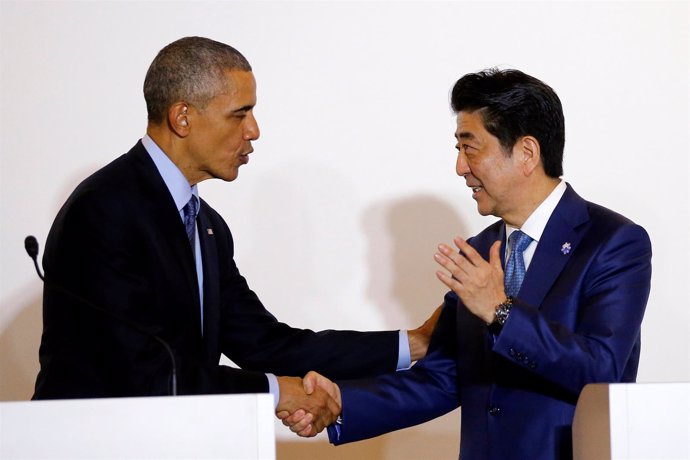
308,405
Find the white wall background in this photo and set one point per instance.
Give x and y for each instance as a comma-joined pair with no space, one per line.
352,183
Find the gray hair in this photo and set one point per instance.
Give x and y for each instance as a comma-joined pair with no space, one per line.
190,69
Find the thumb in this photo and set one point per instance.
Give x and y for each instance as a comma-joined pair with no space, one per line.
495,255
309,382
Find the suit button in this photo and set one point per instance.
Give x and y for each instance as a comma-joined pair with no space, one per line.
493,410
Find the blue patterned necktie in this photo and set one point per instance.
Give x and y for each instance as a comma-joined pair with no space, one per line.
190,211
515,266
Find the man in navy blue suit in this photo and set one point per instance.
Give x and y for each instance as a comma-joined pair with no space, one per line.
543,302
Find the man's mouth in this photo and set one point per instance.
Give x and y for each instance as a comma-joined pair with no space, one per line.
476,188
244,157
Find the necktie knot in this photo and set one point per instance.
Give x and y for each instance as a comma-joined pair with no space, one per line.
515,265
519,241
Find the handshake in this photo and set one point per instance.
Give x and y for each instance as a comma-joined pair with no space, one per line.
308,405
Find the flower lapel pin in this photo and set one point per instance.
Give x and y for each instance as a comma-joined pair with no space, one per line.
565,249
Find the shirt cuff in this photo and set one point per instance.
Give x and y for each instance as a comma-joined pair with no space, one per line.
334,431
274,389
404,356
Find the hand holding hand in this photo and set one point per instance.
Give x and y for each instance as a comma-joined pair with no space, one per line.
310,406
478,283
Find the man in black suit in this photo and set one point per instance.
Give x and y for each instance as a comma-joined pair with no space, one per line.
134,239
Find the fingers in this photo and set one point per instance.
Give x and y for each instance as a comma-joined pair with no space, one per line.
466,262
449,281
459,263
495,255
451,260
419,338
296,417
308,432
468,251
303,424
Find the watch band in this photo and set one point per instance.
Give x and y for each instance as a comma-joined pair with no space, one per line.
503,310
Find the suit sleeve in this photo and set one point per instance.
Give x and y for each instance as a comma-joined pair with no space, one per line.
603,345
428,389
253,338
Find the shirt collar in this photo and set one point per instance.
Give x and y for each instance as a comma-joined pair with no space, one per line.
536,223
174,179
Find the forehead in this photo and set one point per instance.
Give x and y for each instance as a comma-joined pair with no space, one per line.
470,126
240,89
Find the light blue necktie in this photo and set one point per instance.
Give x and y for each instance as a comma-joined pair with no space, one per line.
515,266
190,211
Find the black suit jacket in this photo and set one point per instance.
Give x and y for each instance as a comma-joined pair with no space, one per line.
119,244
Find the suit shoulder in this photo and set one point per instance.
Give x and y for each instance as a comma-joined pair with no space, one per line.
488,235
112,189
608,225
121,173
602,216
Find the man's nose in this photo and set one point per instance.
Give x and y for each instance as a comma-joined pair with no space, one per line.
251,130
461,166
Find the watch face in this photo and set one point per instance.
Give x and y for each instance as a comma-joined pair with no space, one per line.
502,312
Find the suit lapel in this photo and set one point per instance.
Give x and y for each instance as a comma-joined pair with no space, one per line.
559,240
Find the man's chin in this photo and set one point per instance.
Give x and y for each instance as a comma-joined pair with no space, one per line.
483,210
228,176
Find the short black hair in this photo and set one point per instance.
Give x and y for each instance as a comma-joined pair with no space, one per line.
190,69
513,104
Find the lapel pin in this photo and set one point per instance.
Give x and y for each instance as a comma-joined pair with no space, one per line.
209,231
565,249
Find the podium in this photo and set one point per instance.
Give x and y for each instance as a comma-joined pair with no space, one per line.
632,421
181,427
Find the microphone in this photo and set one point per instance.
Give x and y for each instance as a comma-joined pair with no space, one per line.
31,246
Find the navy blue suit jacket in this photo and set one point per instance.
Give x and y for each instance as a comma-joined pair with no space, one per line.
119,243
575,321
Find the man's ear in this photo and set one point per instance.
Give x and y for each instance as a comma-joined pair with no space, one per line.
178,118
529,154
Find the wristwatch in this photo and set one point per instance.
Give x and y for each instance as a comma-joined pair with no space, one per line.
503,310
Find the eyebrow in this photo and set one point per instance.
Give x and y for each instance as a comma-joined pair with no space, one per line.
465,135
246,108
